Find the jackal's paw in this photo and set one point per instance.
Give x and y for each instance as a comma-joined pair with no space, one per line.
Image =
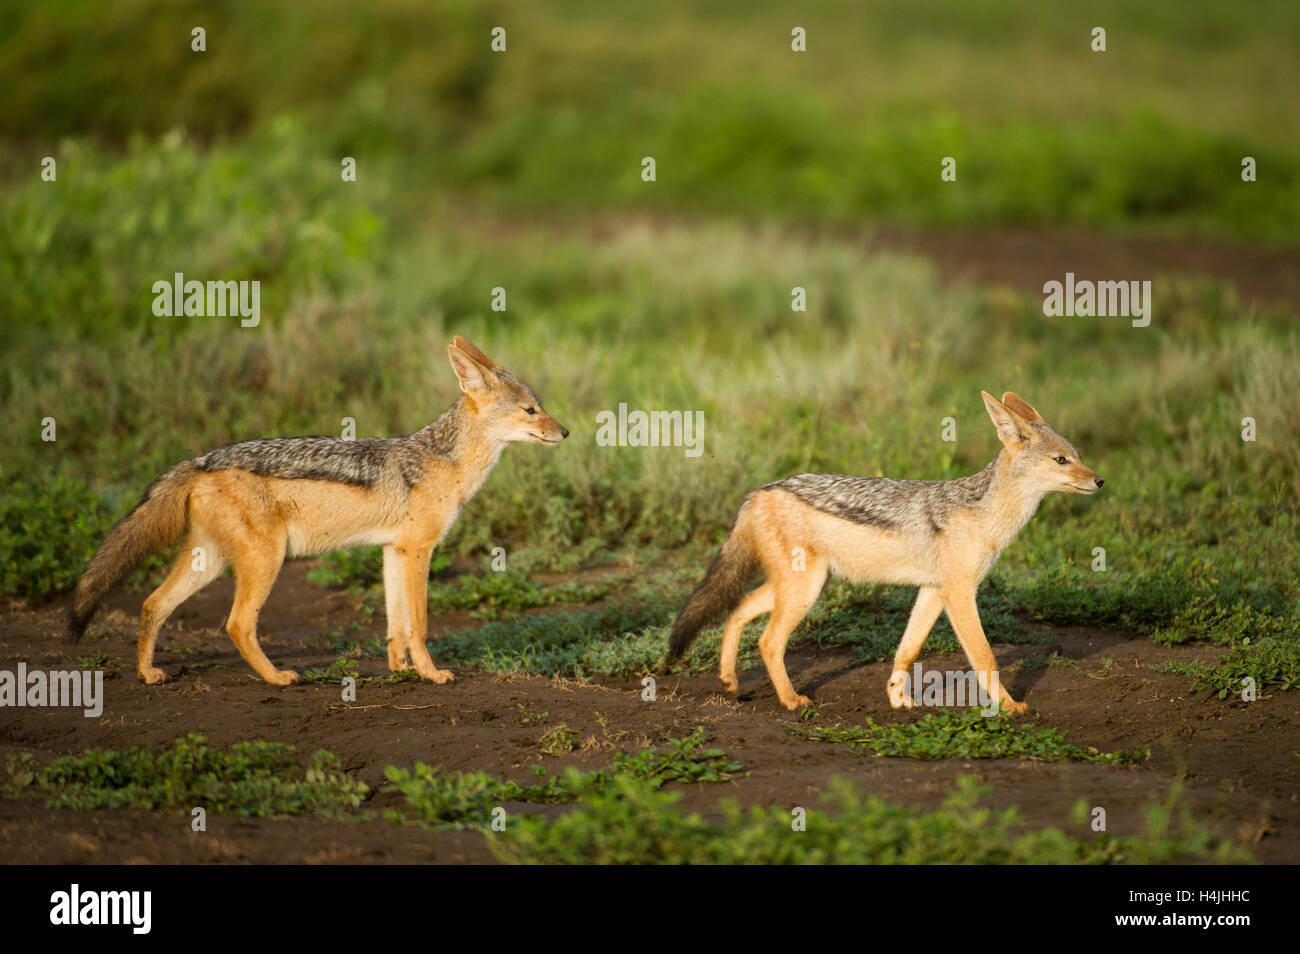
1011,707
283,677
898,697
398,663
798,702
731,685
440,676
152,676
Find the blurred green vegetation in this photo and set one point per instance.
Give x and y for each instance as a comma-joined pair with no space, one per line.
1147,135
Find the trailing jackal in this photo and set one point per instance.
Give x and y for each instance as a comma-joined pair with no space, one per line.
940,535
252,503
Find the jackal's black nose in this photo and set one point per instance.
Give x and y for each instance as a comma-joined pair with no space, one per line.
1100,481
564,432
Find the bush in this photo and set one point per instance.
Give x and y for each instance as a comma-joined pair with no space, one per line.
48,533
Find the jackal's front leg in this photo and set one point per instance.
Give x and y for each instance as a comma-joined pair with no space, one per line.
415,571
399,613
965,619
926,610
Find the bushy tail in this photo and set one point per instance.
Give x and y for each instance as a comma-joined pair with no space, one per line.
157,521
720,591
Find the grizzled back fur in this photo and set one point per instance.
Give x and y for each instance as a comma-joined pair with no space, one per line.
888,504
363,462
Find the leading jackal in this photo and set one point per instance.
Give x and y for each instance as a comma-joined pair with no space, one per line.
252,503
940,535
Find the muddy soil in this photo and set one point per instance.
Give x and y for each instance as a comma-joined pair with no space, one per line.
1237,761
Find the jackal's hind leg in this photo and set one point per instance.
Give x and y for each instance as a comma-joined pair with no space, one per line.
182,582
256,567
793,595
756,603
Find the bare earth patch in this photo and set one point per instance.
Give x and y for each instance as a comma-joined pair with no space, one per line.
1236,760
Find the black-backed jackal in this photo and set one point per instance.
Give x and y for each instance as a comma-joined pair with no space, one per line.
940,535
252,503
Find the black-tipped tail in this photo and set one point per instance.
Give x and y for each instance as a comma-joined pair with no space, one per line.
156,522
718,593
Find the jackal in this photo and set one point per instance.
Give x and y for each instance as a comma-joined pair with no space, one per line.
940,535
252,503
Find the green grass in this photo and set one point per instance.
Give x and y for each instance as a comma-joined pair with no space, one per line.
623,816
1267,664
703,322
619,640
617,815
1155,410
635,824
494,595
360,568
440,799
343,667
964,735
257,778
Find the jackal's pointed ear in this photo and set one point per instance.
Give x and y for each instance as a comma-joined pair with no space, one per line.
1013,430
474,375
1022,407
464,345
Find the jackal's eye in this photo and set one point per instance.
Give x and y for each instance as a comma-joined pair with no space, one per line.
530,411
1059,460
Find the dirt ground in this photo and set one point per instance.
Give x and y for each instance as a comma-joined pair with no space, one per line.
1027,257
1237,761
1022,257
